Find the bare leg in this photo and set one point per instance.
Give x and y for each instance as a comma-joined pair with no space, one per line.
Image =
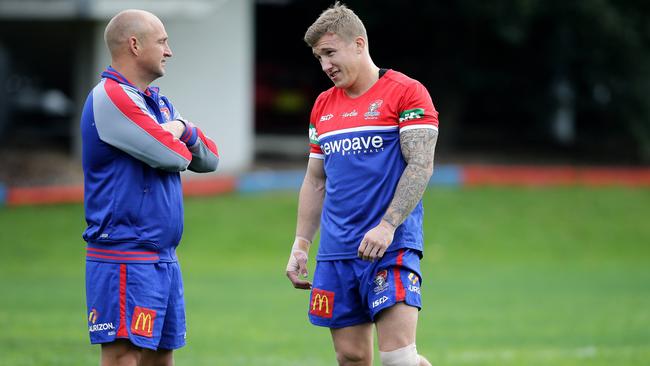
120,353
353,345
396,328
161,357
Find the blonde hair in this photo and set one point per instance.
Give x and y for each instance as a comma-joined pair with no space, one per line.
337,19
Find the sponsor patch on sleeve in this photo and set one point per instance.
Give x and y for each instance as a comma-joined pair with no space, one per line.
411,114
313,136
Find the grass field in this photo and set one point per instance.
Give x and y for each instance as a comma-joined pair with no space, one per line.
511,277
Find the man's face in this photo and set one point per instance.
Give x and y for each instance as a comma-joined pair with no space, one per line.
155,50
339,59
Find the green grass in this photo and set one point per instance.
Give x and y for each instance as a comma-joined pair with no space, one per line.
511,277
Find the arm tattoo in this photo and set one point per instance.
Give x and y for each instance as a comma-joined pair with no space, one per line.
418,146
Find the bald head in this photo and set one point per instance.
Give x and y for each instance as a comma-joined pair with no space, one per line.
127,24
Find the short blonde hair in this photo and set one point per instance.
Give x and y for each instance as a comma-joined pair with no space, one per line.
338,19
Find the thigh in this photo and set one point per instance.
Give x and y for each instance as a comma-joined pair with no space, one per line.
396,327
335,300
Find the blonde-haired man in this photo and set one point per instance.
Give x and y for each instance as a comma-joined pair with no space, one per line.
372,139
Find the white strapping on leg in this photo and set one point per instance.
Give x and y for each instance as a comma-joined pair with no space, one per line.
406,356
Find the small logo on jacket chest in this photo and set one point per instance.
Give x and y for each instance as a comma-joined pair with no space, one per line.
164,110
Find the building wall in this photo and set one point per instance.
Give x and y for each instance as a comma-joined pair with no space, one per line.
210,76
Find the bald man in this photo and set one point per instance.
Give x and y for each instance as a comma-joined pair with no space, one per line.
135,143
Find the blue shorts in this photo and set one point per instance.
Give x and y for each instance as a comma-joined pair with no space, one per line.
353,291
139,302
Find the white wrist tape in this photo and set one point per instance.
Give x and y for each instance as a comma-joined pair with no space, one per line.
300,245
406,356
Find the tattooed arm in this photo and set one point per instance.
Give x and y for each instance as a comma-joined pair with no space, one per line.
418,146
418,150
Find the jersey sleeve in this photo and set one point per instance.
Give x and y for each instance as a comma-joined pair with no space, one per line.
416,109
314,144
205,155
124,122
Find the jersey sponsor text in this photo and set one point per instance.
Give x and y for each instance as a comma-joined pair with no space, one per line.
355,145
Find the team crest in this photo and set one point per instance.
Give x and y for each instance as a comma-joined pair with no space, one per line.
373,112
164,110
380,281
165,113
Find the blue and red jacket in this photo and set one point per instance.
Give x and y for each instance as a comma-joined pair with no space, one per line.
132,187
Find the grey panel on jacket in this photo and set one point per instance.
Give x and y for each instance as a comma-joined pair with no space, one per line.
117,130
203,160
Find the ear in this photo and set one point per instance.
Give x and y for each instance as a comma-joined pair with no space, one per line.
134,45
360,44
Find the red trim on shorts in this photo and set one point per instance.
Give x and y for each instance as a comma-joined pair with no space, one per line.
122,258
124,252
121,330
400,293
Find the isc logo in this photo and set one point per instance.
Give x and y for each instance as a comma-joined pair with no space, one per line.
379,301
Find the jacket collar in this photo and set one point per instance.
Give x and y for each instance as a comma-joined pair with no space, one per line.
111,73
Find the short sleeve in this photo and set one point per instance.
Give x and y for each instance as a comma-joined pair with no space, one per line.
314,145
416,109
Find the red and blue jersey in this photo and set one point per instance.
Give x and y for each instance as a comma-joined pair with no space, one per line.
358,138
132,188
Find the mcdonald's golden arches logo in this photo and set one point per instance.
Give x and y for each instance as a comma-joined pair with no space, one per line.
142,321
322,303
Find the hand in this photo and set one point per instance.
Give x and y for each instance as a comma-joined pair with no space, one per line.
297,265
177,128
376,241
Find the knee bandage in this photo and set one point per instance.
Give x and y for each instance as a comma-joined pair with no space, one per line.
406,356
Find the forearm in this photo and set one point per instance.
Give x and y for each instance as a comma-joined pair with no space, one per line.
174,127
205,156
409,192
310,205
418,148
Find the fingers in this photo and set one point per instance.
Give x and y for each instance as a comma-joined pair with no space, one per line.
297,282
371,251
362,247
381,252
374,254
302,268
301,261
375,243
367,254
